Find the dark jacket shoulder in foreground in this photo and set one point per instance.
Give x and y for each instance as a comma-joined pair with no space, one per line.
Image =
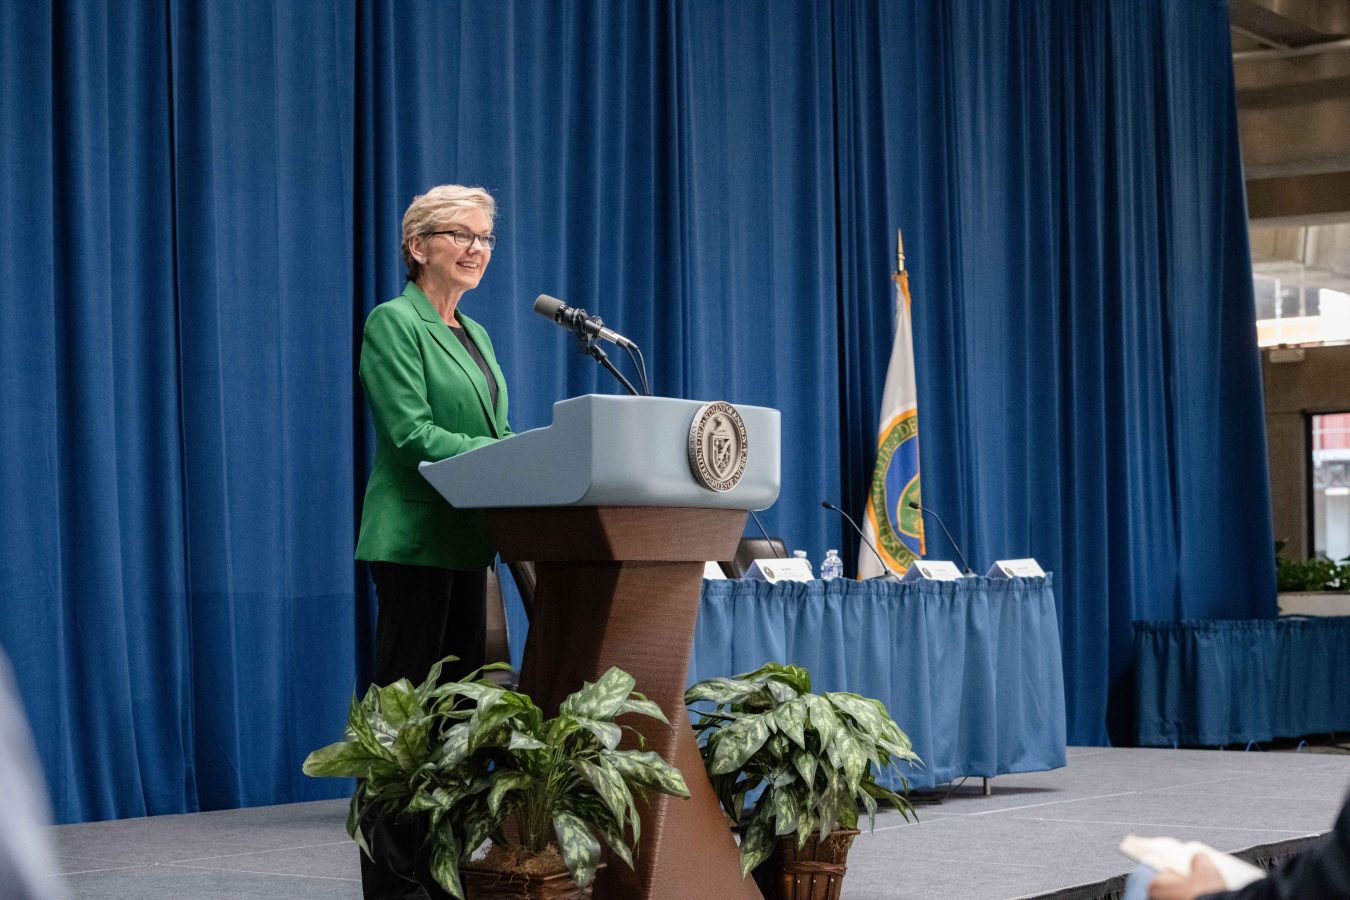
1320,871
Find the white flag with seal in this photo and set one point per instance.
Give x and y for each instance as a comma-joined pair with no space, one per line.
890,523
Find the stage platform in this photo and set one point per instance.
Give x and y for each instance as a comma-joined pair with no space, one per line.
1045,835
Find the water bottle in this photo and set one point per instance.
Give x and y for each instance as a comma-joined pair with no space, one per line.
832,567
801,554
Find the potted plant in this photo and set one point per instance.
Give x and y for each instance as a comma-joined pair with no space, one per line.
813,756
481,763
1314,587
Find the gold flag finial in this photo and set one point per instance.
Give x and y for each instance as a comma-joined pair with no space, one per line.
899,252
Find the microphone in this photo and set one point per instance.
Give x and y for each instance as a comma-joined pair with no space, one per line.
890,575
577,320
913,505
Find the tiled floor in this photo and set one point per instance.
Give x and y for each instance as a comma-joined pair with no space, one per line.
1037,833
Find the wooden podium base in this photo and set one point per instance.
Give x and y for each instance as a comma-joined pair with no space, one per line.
619,586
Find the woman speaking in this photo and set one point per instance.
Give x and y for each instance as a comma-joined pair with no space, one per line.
435,390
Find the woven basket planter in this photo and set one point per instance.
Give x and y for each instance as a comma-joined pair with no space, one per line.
486,884
815,872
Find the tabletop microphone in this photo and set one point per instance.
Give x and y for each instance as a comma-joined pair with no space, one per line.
968,572
577,320
889,575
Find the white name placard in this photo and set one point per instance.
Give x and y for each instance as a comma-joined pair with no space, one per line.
713,572
932,570
775,570
1016,568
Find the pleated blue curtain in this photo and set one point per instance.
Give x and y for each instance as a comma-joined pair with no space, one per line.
262,179
93,562
200,202
649,165
1069,182
178,399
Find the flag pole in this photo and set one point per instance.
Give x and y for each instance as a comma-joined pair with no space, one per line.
887,525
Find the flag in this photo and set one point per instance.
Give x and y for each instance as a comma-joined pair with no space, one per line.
891,524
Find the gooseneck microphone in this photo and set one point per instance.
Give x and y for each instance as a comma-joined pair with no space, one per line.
913,505
768,539
578,321
590,330
888,575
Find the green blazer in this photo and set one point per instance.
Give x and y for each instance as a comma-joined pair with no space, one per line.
430,402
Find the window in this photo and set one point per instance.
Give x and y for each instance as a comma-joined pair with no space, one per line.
1291,312
1331,485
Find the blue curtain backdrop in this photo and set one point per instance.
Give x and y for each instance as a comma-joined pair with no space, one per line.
200,202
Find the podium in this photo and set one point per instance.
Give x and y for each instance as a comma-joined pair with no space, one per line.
609,507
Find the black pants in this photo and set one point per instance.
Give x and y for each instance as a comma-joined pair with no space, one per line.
426,614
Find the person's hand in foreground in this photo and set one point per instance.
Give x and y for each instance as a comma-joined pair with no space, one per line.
1204,879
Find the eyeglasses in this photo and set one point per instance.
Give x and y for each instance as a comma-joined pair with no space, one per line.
466,238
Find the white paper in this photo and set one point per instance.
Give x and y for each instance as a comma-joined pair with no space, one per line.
775,570
712,571
1016,568
1167,854
932,570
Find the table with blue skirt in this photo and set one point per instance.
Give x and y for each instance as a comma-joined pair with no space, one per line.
970,670
1215,682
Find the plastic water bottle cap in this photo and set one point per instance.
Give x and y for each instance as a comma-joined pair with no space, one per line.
800,554
831,552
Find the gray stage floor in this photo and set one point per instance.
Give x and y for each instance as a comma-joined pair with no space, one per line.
1038,833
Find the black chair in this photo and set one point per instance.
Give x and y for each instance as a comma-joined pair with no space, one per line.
751,549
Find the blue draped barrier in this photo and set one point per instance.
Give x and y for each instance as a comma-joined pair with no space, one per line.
970,670
203,202
1228,681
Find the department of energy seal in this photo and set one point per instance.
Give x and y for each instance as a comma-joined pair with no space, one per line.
718,450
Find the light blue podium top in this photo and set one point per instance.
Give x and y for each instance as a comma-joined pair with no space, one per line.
607,450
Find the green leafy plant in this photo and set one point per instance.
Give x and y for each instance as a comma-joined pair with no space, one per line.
1310,574
473,757
812,754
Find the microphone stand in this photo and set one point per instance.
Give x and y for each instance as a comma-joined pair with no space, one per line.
591,346
968,572
888,575
767,539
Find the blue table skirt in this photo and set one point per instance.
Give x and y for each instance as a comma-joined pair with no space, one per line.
1224,681
970,670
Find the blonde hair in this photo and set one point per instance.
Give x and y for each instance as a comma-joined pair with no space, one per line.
441,205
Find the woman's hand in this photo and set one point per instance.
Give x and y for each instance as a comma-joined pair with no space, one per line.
1204,879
